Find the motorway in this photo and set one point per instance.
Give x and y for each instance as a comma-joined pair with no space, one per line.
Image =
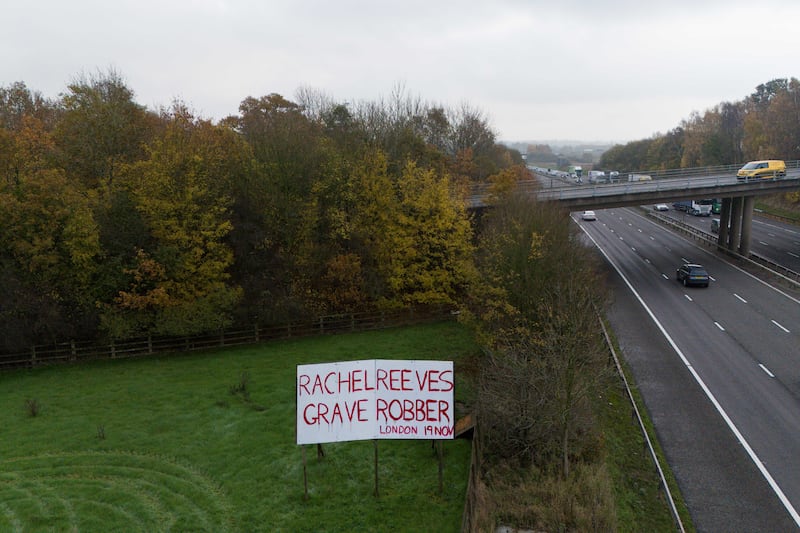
774,240
719,371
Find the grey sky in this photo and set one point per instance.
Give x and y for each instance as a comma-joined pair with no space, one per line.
606,70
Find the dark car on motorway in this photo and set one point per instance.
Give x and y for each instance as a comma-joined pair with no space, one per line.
692,274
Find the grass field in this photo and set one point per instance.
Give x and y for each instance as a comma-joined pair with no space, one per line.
167,444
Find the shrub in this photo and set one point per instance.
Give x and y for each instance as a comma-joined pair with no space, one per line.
32,407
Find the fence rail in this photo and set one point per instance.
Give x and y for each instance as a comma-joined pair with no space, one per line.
75,351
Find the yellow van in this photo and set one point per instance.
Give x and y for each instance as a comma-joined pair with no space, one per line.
771,168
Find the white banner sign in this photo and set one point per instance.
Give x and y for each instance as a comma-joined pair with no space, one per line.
375,399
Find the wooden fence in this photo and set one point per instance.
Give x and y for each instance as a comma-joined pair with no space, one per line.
74,351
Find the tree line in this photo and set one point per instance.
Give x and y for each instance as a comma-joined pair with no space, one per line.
119,220
763,125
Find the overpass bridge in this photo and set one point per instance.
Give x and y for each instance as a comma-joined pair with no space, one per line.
667,186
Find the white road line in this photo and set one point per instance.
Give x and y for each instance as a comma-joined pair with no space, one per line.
794,255
632,248
664,276
783,328
711,278
646,260
713,399
640,231
719,326
742,299
763,243
688,297
765,369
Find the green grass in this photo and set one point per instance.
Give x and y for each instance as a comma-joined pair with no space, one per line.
163,444
640,501
166,444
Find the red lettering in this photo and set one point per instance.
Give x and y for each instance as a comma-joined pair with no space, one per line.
381,378
435,380
413,410
446,377
327,388
423,381
356,380
444,410
356,409
302,384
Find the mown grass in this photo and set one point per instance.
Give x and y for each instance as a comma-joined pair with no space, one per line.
174,443
169,443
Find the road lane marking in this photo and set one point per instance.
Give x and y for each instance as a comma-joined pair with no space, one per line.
664,276
783,328
688,297
719,326
646,260
711,278
742,299
759,464
652,238
765,369
632,248
764,243
794,255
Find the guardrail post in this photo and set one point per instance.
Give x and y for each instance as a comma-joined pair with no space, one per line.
255,331
149,343
72,355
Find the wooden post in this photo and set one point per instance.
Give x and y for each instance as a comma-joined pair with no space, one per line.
376,467
305,476
439,451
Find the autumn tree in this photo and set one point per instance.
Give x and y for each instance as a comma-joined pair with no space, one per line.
534,311
101,128
431,259
274,207
48,246
179,283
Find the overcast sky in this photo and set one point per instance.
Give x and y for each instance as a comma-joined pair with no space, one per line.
594,70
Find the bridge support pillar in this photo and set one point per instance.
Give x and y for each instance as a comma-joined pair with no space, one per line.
736,224
747,225
724,224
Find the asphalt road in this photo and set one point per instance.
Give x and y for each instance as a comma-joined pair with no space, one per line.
719,371
777,241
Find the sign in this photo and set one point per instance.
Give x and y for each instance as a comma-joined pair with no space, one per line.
375,399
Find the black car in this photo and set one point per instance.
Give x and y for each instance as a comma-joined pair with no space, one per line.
692,274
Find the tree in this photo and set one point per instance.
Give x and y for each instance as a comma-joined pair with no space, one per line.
431,242
274,207
48,245
180,285
101,128
534,311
